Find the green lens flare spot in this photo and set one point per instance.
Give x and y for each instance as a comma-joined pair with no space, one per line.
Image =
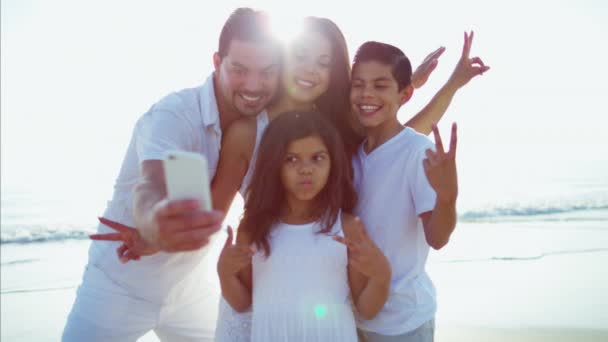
320,311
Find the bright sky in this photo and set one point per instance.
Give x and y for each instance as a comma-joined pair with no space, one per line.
76,75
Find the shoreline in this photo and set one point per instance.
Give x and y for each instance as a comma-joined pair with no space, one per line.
558,297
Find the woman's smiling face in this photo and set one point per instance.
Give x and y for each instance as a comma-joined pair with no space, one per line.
307,67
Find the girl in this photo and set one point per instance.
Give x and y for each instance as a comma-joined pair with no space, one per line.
299,280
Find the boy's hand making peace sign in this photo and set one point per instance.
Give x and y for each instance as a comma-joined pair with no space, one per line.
440,168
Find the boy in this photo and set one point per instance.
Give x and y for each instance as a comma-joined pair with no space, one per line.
401,183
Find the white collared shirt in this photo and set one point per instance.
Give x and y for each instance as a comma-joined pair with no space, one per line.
186,120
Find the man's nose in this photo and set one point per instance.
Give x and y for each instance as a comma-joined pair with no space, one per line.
253,83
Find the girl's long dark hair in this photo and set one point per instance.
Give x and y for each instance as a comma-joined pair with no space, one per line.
266,194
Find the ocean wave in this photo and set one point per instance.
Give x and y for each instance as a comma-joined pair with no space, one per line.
522,212
587,209
525,257
34,234
19,262
34,290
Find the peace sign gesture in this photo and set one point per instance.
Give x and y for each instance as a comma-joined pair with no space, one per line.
233,258
467,67
363,254
440,167
133,246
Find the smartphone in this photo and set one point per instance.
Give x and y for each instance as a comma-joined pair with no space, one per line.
187,176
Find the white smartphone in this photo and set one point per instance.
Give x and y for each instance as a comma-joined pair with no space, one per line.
187,176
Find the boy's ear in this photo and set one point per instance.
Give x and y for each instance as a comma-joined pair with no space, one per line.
217,61
406,94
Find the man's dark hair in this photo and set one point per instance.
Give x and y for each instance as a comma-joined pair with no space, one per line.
248,25
389,55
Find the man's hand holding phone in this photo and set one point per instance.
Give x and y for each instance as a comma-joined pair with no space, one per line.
183,221
183,225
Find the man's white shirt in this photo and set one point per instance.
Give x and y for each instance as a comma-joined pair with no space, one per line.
187,120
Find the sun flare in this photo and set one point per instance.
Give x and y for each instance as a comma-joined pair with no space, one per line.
286,23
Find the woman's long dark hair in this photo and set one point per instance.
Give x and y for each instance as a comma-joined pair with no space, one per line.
266,198
335,101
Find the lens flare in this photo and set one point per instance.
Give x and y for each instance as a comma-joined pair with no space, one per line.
320,311
286,24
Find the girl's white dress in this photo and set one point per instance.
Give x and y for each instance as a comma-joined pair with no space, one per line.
233,326
301,291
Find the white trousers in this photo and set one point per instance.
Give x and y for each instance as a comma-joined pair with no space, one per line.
103,311
424,333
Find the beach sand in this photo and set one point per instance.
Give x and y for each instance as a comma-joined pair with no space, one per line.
469,334
559,297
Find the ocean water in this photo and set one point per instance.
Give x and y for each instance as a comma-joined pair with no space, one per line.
523,203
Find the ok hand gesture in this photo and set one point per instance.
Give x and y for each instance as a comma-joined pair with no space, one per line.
440,167
467,67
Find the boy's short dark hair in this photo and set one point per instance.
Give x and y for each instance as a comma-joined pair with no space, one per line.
246,24
386,54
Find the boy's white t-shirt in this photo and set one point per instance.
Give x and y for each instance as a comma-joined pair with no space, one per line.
393,191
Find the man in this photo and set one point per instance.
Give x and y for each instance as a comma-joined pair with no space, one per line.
163,292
